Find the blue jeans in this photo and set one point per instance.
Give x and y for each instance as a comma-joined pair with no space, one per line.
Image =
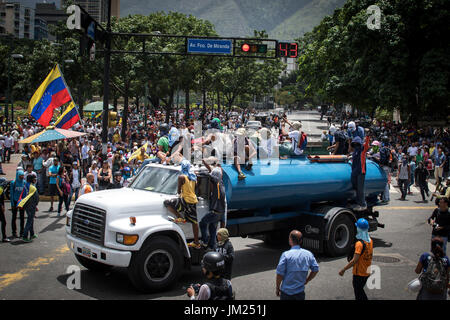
445,240
74,191
386,196
29,226
403,187
411,183
209,222
358,184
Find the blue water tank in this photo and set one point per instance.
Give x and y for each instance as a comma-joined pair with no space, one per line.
296,182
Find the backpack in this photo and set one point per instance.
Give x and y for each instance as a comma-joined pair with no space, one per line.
351,253
65,187
384,156
220,290
303,141
434,280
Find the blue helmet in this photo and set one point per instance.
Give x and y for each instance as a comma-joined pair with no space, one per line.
362,224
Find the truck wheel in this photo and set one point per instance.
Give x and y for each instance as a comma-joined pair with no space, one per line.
156,266
93,265
341,238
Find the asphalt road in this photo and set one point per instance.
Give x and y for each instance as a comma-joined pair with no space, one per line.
38,270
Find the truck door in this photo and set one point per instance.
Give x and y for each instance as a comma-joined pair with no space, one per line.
203,192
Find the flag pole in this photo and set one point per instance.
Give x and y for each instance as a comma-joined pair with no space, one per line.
68,90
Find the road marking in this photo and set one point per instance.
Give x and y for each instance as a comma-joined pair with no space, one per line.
10,278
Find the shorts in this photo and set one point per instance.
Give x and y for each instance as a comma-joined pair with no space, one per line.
189,210
53,191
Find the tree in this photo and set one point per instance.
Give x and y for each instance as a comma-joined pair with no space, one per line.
404,64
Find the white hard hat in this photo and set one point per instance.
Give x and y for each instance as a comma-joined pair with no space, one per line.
414,285
333,129
352,125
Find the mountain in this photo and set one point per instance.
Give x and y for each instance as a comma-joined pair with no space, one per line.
282,19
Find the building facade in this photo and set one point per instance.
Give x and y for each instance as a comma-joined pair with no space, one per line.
98,9
17,20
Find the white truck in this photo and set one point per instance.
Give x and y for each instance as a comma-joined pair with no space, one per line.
131,227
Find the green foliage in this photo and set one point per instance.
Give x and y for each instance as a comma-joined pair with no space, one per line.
283,19
404,64
233,79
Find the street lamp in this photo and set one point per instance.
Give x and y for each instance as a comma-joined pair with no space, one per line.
63,54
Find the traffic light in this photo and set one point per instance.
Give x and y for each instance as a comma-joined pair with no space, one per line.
254,48
112,119
287,50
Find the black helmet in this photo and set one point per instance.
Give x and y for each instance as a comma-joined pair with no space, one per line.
214,262
164,128
117,173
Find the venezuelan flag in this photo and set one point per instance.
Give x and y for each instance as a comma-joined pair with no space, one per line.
68,118
51,94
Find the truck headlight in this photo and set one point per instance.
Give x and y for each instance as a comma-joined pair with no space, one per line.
127,239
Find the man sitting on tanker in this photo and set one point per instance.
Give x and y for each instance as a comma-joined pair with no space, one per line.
243,147
298,139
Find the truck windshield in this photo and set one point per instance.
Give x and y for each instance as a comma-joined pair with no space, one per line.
157,180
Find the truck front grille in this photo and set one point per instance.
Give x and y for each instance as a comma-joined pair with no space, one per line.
311,244
88,223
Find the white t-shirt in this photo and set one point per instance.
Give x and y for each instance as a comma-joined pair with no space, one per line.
76,178
295,136
412,151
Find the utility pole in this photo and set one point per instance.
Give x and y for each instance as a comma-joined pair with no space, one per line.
106,81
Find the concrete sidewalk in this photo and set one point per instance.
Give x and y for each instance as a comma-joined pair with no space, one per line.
10,168
10,174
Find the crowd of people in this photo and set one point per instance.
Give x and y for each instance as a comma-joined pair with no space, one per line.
66,169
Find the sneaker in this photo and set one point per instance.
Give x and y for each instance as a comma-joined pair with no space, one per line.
26,240
249,166
6,240
33,237
180,220
51,209
194,245
204,245
241,176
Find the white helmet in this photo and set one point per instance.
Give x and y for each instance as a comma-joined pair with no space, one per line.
333,130
414,285
352,126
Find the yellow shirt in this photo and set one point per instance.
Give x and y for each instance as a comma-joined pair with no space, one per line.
116,138
142,157
188,191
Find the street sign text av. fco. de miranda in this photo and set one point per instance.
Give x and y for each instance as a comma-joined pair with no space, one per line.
210,46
